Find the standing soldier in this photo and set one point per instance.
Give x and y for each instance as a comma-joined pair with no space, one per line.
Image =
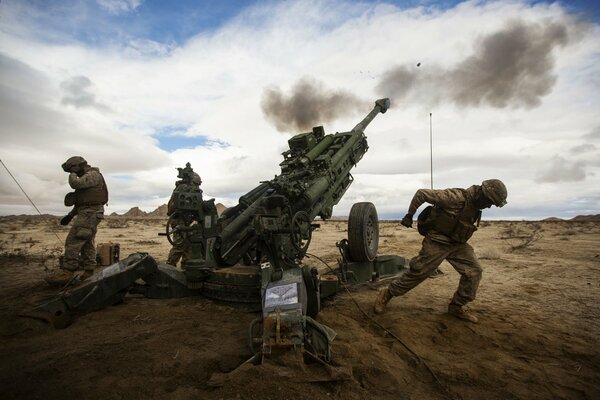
88,199
447,225
181,246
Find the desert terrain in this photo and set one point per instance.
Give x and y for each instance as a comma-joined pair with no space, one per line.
537,336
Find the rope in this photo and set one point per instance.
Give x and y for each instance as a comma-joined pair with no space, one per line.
398,339
28,198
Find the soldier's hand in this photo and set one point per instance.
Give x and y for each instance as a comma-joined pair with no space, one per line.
66,219
407,221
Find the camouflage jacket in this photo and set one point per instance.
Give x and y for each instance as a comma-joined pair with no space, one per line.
92,178
456,202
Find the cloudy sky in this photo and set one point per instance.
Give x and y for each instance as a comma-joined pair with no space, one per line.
139,88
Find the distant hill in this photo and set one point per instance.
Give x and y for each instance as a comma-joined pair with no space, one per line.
160,212
579,218
135,212
586,218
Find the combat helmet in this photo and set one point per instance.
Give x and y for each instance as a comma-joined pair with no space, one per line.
495,190
196,180
73,161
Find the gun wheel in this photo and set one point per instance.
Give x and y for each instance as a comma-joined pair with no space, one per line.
301,232
363,232
170,232
255,335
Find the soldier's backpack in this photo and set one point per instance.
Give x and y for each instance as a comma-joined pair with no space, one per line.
425,220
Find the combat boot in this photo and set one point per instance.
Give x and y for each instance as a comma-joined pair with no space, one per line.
59,277
460,313
383,297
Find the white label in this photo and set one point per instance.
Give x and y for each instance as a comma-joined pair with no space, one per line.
281,295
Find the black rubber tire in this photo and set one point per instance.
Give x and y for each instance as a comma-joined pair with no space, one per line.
363,232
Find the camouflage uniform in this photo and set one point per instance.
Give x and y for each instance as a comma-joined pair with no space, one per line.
181,246
438,246
80,240
447,226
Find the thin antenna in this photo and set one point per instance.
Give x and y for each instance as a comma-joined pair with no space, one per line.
431,149
28,198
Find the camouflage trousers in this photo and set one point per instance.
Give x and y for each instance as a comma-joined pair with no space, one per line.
80,242
460,255
181,246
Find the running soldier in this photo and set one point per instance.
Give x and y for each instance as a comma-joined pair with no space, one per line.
447,226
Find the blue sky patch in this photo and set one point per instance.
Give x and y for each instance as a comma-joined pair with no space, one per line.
173,137
173,23
172,143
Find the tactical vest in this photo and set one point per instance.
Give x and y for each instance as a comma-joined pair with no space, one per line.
97,195
459,228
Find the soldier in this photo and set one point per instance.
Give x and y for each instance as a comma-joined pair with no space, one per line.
88,199
181,246
451,221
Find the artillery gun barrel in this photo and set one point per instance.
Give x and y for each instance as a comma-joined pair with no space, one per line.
338,161
381,106
243,219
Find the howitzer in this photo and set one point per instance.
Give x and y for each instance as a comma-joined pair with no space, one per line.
274,219
271,228
269,231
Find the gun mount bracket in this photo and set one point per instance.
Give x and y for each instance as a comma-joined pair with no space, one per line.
301,232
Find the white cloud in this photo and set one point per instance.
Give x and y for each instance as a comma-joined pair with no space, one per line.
560,170
119,6
213,84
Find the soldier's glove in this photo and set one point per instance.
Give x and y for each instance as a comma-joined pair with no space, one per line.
407,221
66,219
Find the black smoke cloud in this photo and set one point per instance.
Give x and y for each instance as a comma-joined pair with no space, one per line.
513,67
309,104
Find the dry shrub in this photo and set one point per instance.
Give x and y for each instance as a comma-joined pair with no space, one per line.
520,239
30,241
147,242
14,253
568,232
525,241
117,223
489,253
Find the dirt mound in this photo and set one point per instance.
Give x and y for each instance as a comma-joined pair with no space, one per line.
220,208
553,219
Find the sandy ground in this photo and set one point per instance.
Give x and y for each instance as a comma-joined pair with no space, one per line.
537,337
